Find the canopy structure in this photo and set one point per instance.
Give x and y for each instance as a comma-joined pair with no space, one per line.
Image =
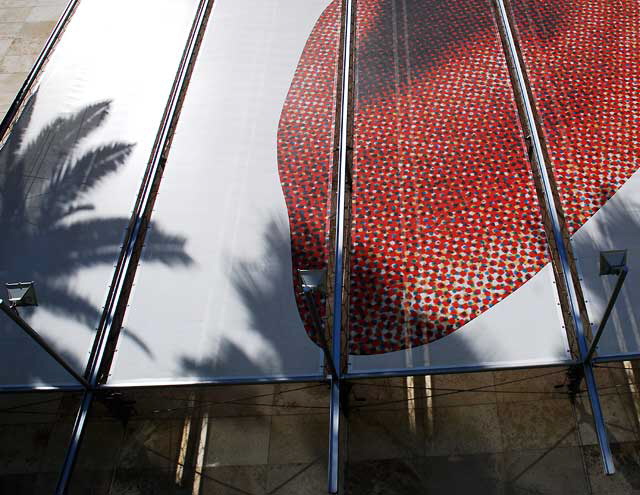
168,188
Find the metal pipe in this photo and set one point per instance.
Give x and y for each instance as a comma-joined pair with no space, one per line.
13,314
592,390
335,399
395,372
622,275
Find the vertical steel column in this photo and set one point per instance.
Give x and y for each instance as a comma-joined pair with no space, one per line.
334,426
127,261
592,389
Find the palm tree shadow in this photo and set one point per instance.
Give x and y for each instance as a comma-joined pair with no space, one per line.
283,329
45,182
279,325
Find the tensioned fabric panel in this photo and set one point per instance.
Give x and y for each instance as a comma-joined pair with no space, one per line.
583,61
448,245
70,171
247,186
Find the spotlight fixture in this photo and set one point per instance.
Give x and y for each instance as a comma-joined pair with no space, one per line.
612,262
313,280
22,294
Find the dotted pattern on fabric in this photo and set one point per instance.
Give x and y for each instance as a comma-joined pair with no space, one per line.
445,220
583,61
305,152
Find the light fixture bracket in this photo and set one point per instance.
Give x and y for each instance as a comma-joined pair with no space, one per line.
22,294
313,280
613,262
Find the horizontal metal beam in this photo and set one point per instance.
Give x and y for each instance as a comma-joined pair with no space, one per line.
321,378
613,358
256,380
450,370
13,389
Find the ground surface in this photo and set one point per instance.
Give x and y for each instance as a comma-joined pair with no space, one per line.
25,26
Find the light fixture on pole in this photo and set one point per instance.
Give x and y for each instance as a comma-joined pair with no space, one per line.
313,282
611,263
24,294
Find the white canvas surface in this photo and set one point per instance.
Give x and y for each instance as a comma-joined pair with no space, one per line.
231,312
615,226
120,57
524,329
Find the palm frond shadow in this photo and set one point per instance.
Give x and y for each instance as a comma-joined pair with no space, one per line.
44,184
278,327
284,344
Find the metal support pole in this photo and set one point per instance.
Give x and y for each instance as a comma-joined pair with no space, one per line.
13,314
592,389
335,402
156,161
622,274
74,446
334,437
